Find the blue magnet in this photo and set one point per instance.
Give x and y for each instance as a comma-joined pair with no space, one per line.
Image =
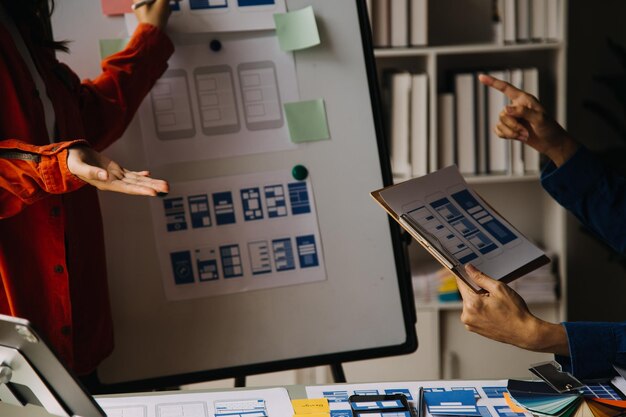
300,172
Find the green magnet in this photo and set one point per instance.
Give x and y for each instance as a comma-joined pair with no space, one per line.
300,172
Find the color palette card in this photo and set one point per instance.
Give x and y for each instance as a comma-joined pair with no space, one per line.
540,398
451,403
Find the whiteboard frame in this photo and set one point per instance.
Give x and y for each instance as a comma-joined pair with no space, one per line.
400,258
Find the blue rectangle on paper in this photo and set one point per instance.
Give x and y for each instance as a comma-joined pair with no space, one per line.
336,396
231,261
472,389
251,202
340,413
454,403
446,209
307,251
299,198
366,392
175,214
174,6
468,258
484,411
402,391
466,200
206,261
224,208
199,211
181,267
249,3
494,392
283,255
207,4
275,201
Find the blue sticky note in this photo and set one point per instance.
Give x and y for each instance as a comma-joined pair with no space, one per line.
297,30
451,403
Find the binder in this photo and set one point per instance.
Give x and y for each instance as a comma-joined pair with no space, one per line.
456,226
399,128
465,102
399,27
445,132
419,125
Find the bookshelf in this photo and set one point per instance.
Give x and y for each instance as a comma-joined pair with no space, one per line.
446,349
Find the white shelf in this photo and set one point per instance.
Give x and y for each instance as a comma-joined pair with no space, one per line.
458,305
488,179
465,49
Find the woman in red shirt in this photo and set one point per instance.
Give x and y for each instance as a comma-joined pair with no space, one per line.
52,127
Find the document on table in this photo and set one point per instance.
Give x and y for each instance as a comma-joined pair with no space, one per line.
457,227
253,403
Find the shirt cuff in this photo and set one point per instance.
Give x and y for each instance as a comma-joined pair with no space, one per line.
593,349
578,174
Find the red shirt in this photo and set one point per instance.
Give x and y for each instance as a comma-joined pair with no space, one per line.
52,260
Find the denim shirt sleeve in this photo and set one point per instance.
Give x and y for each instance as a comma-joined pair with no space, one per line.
594,349
594,193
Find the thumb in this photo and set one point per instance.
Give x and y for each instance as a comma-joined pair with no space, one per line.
92,173
524,112
480,279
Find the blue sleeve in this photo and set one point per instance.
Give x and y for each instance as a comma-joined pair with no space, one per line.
594,349
592,192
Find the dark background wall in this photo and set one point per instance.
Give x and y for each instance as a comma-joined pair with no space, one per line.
596,283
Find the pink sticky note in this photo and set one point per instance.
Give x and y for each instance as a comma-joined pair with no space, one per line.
114,7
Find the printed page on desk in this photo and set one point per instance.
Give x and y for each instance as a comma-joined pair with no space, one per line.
455,221
488,394
253,403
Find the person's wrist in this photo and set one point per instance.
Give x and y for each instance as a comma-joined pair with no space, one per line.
561,153
547,337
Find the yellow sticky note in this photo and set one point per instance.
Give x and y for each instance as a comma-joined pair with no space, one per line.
310,407
313,415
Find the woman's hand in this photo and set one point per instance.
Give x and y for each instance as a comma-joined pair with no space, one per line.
156,14
502,315
107,175
525,119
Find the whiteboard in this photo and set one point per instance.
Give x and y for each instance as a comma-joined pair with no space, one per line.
363,308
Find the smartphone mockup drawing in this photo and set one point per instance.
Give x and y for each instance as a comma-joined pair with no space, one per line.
217,100
260,95
171,106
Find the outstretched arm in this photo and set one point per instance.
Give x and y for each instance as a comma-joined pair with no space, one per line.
29,173
525,119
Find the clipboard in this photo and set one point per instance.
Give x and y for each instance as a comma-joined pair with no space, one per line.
442,182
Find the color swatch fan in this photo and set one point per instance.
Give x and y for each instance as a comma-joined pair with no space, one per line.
540,399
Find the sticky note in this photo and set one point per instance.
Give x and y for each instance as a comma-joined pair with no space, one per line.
514,407
109,47
327,414
307,121
116,7
297,30
310,406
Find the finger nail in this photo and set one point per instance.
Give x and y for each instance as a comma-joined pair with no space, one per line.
510,109
102,175
470,268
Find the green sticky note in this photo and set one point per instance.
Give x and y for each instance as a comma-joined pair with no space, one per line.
109,47
297,30
307,121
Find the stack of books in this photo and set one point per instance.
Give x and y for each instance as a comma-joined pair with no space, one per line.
522,21
466,118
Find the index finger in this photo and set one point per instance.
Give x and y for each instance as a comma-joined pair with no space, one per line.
505,88
464,289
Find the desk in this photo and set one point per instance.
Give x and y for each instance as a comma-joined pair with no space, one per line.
202,403
276,400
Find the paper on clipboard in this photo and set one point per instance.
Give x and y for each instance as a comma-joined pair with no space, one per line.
458,227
